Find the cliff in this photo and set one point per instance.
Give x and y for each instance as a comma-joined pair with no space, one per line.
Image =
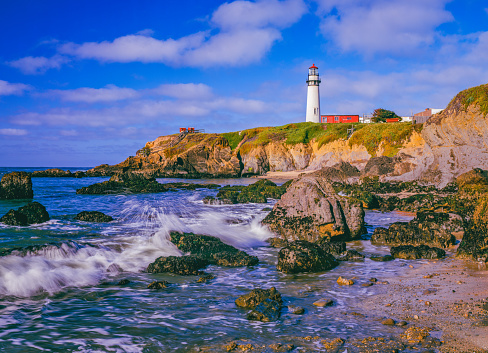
450,143
256,151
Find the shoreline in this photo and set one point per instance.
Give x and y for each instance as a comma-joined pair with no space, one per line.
448,296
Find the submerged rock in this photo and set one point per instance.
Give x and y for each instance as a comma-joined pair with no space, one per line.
265,304
427,228
410,252
303,256
310,209
266,311
332,247
351,255
158,285
93,216
32,213
16,185
212,249
382,258
180,265
256,296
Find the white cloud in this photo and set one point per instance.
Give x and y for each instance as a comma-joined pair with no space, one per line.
193,91
264,13
13,132
7,88
68,133
245,32
109,93
38,65
382,26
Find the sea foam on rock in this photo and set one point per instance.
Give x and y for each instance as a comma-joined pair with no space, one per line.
310,209
16,185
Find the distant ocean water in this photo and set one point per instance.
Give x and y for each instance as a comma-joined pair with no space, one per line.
59,288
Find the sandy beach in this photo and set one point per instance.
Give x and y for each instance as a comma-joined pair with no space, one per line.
448,296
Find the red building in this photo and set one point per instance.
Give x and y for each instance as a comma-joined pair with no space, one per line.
339,118
392,120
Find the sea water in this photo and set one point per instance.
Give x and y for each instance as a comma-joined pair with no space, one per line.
59,288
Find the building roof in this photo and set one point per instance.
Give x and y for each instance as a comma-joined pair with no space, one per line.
313,67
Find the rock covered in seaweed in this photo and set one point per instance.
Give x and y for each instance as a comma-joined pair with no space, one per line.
303,256
427,228
310,209
212,249
93,216
410,252
265,304
16,185
57,173
474,244
32,213
179,265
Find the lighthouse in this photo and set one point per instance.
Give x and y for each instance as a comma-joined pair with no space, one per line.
313,97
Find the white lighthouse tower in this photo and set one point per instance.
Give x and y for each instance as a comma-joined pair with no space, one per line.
313,96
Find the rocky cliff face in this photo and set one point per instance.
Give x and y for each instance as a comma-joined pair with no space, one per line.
189,156
457,138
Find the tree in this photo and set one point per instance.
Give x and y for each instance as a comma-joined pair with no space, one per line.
380,115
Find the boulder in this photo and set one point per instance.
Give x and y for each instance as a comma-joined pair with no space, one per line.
93,216
310,209
56,173
351,255
341,172
332,247
410,252
32,213
256,296
427,228
379,166
16,185
180,265
212,249
258,192
474,244
303,256
266,311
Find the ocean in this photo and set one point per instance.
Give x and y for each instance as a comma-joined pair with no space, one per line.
59,281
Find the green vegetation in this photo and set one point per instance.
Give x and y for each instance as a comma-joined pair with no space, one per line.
475,95
380,115
392,135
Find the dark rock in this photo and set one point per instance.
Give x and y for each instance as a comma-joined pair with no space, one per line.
310,209
410,252
296,310
212,249
388,322
258,192
123,282
332,247
351,255
266,311
16,185
256,296
136,183
32,213
413,203
427,228
379,166
158,285
276,242
474,244
303,256
180,265
93,216
382,258
205,278
57,173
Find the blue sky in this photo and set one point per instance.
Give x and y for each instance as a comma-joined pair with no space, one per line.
88,82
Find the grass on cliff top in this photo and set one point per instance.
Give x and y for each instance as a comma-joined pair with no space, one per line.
290,134
392,135
475,95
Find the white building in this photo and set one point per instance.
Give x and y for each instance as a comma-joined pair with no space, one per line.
313,95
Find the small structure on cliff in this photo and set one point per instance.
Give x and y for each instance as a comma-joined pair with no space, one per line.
313,95
422,117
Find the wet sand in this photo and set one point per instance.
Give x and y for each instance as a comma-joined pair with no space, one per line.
448,296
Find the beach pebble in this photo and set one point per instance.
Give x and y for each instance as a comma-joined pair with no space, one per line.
297,310
389,322
323,302
345,282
